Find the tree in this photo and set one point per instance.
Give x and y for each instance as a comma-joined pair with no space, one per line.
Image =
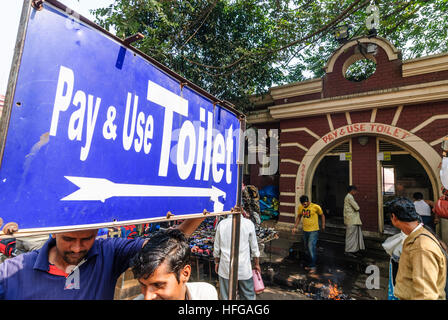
238,48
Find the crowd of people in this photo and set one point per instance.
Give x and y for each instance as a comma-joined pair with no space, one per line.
418,263
84,266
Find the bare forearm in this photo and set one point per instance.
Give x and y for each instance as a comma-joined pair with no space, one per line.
190,225
257,264
297,221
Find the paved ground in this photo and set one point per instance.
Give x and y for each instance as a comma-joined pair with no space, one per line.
283,269
279,293
285,278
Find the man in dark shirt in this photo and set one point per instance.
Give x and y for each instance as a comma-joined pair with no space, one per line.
73,265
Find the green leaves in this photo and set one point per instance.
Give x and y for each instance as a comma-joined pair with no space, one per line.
237,48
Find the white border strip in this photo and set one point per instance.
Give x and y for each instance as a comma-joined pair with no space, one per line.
291,161
429,121
294,144
311,133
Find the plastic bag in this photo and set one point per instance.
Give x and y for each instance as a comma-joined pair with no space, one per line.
394,245
258,281
441,207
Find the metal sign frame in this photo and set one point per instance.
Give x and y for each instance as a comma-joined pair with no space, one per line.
28,7
35,5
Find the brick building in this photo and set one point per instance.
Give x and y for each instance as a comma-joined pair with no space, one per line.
382,134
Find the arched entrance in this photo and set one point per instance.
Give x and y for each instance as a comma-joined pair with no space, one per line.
330,181
411,146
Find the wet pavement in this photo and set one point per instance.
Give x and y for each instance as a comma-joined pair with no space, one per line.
275,292
338,276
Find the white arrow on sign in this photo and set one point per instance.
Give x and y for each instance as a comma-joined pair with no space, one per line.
99,189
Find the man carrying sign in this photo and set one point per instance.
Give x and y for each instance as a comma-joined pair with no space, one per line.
73,266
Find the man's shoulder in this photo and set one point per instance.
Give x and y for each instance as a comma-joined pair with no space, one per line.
424,240
202,291
225,222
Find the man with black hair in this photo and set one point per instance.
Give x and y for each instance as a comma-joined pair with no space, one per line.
354,240
310,213
422,268
162,267
72,266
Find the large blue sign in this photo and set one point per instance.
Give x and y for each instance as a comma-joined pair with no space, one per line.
99,134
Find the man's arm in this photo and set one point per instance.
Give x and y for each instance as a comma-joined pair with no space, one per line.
217,247
299,216
353,203
190,225
255,251
323,221
257,264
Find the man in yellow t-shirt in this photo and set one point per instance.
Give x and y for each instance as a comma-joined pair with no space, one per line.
310,213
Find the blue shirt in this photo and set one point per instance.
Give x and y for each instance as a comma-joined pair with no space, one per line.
26,276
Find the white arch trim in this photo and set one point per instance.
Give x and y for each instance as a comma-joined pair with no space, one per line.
418,148
392,52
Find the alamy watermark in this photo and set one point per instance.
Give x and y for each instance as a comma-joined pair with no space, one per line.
373,280
257,149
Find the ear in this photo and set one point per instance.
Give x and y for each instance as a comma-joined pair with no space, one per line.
185,273
393,217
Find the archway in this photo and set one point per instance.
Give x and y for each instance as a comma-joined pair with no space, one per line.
330,181
426,156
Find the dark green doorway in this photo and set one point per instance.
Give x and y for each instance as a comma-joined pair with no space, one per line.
409,177
329,187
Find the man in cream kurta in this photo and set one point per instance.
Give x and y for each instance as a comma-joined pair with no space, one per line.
354,240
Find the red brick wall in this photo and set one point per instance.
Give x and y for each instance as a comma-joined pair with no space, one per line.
385,115
364,173
319,125
338,120
412,116
363,116
364,158
386,75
